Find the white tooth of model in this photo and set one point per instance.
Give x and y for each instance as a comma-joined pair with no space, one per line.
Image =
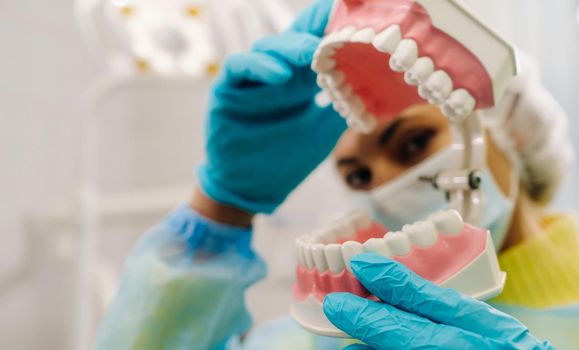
405,56
341,107
387,41
322,81
336,79
424,91
309,256
318,236
320,257
346,34
460,104
355,121
323,99
325,52
367,123
300,254
352,123
357,106
347,229
349,250
420,71
360,219
344,92
448,222
398,243
302,243
378,246
333,233
323,65
422,234
333,41
332,93
334,258
440,86
364,36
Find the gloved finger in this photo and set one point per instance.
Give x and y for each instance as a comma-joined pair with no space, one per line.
296,93
314,19
398,286
255,67
358,347
383,326
296,48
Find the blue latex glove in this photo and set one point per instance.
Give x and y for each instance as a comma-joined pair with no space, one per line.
265,133
416,314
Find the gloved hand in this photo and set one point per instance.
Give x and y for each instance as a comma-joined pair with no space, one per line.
416,314
265,133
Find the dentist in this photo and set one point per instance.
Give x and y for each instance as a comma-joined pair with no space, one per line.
183,285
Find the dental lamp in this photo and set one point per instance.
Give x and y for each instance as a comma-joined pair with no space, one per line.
178,37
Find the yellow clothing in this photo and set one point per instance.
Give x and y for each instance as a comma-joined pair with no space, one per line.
542,289
544,272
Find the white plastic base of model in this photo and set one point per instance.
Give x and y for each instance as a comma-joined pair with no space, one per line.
310,315
482,279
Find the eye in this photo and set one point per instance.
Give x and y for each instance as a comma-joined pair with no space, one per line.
360,178
414,146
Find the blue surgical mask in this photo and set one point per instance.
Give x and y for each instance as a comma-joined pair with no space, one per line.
407,199
498,209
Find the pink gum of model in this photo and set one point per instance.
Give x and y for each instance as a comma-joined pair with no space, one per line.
389,94
437,264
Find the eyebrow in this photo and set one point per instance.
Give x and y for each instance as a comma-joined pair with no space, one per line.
348,161
390,131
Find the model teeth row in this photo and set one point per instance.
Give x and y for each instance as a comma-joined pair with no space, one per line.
436,86
317,251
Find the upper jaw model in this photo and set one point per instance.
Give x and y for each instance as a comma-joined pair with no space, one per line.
430,50
379,57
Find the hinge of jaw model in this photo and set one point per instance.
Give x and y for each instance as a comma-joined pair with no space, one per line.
379,57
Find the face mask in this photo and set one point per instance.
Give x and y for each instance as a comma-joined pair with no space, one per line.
497,208
408,199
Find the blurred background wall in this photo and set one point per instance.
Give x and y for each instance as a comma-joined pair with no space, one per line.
149,139
44,67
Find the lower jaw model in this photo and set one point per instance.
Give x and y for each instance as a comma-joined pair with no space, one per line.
442,249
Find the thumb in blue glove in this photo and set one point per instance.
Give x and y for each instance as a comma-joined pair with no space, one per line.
417,314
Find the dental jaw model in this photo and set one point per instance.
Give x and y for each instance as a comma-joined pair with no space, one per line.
434,45
379,57
442,249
